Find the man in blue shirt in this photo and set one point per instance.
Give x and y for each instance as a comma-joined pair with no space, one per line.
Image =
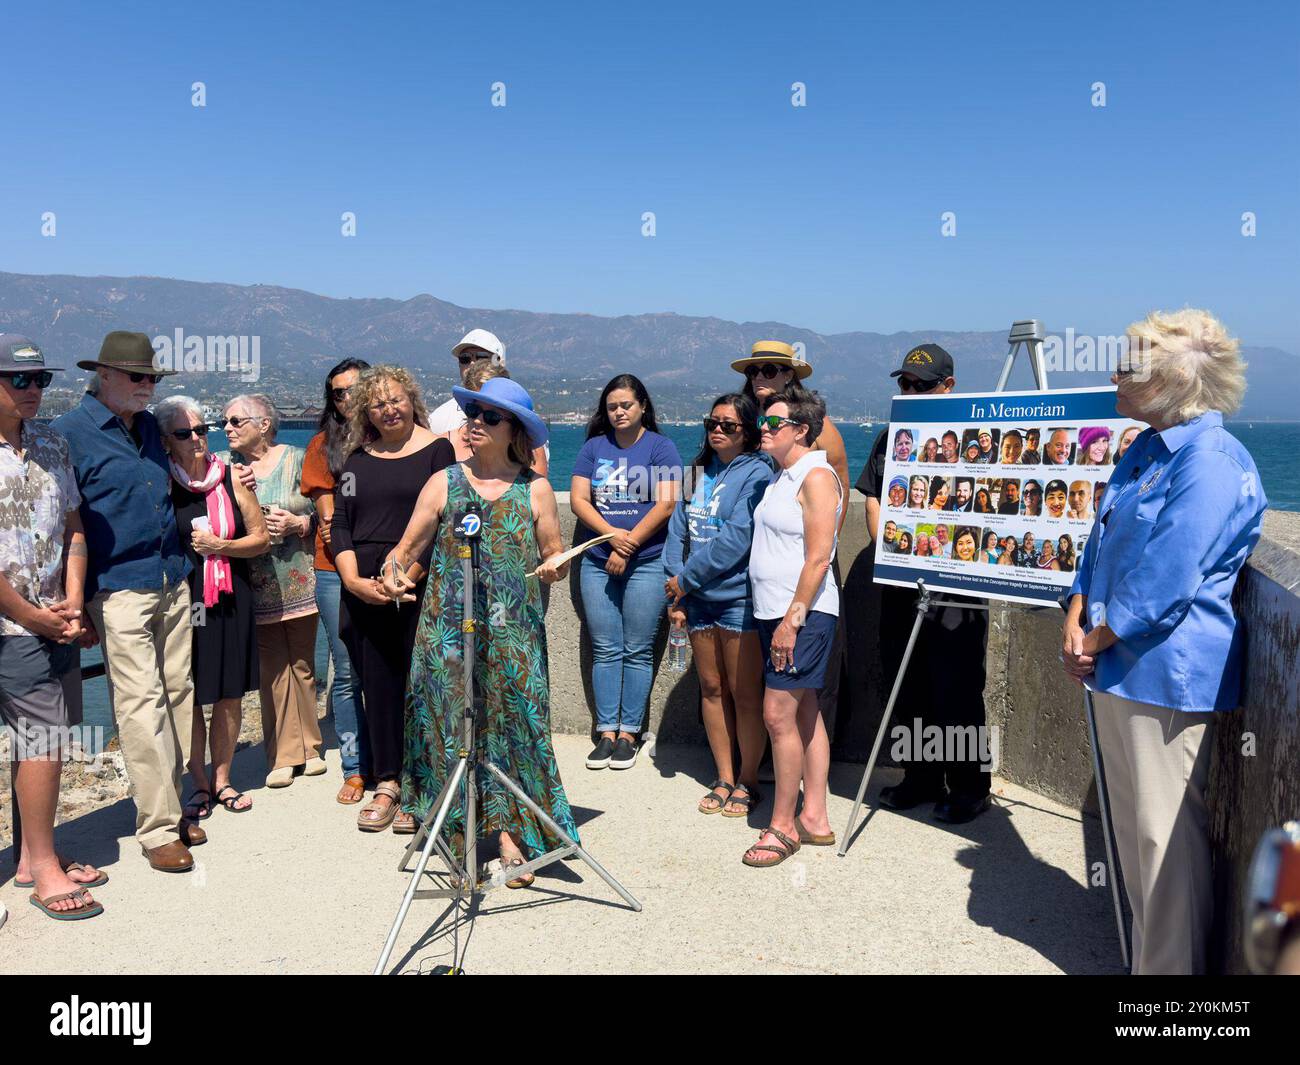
136,593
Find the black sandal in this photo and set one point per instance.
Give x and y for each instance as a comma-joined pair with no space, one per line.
194,804
229,804
719,800
748,800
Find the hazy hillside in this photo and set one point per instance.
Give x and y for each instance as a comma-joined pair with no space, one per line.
561,356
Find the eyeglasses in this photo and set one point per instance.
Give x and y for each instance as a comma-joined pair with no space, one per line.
911,384
725,424
488,417
767,370
136,378
773,422
26,378
465,358
185,434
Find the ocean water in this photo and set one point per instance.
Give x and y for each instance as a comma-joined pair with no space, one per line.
1273,445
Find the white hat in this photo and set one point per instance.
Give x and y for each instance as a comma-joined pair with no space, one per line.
481,338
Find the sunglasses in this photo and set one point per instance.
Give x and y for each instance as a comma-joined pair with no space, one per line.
726,425
25,379
466,359
185,434
768,370
911,384
489,417
340,394
234,421
773,422
136,378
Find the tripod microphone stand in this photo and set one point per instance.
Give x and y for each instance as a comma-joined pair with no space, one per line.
465,885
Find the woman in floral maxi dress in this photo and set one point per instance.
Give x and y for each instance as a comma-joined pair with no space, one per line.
520,523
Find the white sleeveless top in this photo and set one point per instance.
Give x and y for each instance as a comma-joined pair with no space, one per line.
777,555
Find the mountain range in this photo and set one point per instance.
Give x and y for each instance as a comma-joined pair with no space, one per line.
563,358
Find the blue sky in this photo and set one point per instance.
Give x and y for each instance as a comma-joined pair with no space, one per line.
826,216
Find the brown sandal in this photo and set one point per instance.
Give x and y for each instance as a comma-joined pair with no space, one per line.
357,784
812,840
783,851
386,812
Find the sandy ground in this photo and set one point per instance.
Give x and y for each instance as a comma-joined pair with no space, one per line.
293,887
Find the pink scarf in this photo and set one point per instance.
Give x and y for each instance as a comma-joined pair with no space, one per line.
221,516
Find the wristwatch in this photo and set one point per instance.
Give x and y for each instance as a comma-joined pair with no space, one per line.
1273,896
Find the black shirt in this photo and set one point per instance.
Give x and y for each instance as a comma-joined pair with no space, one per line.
371,518
871,481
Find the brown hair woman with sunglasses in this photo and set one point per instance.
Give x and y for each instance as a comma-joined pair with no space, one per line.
706,559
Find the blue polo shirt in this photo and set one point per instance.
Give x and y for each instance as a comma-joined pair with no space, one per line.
1182,512
126,503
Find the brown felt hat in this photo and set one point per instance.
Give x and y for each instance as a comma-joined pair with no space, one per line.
128,352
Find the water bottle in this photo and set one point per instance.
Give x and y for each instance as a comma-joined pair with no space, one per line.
677,644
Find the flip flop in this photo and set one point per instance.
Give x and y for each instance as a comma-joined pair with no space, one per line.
386,812
83,909
229,804
71,867
783,850
195,804
719,801
808,839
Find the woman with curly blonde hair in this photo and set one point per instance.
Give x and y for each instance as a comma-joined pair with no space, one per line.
1151,625
393,456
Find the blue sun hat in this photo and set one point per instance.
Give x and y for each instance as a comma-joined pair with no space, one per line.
509,396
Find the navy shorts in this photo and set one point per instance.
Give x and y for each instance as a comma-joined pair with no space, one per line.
812,652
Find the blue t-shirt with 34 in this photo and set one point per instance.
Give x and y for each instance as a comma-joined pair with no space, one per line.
623,483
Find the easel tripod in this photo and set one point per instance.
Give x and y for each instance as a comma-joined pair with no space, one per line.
1030,335
465,884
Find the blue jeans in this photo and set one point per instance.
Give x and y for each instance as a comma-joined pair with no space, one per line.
623,616
345,703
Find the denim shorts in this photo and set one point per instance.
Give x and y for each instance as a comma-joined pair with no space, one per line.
736,616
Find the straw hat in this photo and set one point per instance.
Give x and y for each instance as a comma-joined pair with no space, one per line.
774,351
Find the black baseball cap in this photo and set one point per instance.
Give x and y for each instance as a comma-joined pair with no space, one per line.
926,362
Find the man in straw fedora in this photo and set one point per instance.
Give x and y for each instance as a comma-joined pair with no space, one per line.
137,596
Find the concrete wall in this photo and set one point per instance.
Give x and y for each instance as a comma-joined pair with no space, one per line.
1255,775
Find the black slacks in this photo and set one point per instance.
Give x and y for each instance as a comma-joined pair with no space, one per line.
380,640
944,687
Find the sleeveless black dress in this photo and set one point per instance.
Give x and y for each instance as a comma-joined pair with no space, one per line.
224,655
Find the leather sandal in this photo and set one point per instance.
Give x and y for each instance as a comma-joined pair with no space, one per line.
781,850
718,801
356,783
386,811
812,840
742,795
